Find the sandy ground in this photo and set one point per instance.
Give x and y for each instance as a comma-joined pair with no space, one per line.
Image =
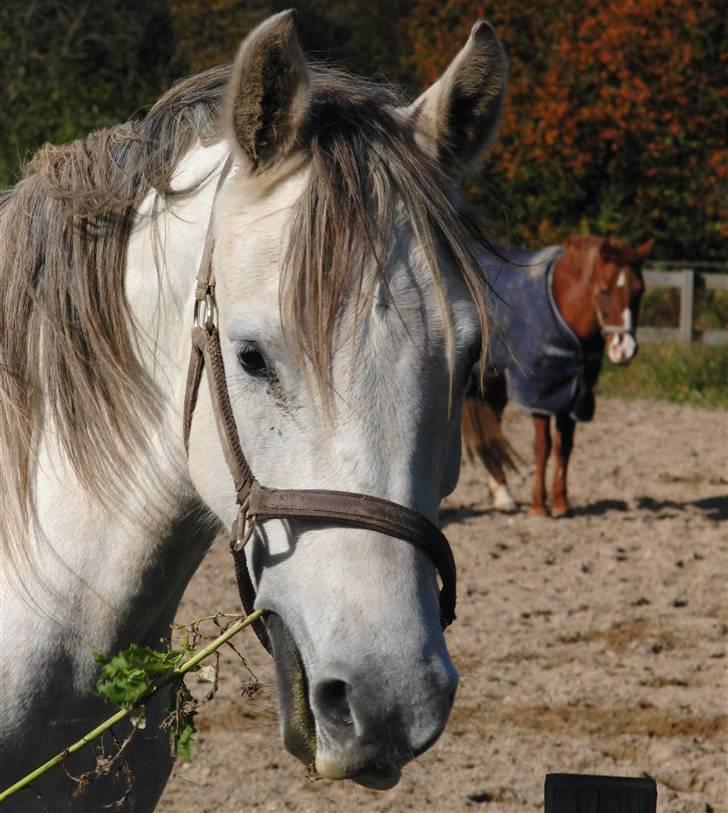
595,644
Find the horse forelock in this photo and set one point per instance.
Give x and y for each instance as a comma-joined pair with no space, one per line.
366,174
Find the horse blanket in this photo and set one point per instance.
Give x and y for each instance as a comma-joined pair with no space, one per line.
548,369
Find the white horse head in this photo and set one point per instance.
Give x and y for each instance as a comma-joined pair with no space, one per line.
351,315
343,315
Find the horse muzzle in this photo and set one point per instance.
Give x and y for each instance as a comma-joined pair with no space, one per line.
622,348
349,725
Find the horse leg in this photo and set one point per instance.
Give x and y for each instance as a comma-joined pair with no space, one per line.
483,438
502,498
565,426
496,396
542,448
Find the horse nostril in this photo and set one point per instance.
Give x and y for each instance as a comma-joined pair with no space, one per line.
331,698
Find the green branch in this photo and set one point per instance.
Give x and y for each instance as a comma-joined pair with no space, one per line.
122,713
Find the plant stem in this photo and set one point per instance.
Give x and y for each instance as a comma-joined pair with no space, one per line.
122,713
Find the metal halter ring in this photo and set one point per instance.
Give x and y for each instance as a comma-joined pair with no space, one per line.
208,307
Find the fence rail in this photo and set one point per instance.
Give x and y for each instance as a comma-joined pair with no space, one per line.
685,280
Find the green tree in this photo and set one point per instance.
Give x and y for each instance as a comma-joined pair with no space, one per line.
208,32
70,67
360,38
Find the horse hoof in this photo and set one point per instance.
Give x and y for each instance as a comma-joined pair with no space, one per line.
561,511
538,511
503,501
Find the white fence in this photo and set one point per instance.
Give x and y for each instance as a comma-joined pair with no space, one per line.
685,280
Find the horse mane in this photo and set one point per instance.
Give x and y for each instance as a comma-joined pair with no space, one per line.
68,349
609,249
67,341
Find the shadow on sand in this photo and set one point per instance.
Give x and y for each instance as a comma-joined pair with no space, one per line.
448,516
715,509
599,508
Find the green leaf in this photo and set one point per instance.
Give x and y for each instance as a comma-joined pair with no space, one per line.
183,743
127,676
130,675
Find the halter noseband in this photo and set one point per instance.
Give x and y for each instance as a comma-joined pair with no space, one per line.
256,502
613,330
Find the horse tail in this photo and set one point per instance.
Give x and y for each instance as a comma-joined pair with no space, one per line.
483,437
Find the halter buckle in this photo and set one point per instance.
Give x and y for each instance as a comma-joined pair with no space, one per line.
244,528
205,313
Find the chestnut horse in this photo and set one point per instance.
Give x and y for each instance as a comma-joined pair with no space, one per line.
555,310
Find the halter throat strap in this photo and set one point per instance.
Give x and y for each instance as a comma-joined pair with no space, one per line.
256,502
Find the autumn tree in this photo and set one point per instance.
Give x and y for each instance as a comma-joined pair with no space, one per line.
615,121
616,116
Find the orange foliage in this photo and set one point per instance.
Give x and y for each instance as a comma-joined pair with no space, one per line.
615,118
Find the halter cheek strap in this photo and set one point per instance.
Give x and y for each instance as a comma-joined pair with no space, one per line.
256,502
607,329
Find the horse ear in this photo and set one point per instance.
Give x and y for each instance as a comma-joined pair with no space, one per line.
645,249
457,118
267,94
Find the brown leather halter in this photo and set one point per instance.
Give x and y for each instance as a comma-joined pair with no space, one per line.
256,502
613,330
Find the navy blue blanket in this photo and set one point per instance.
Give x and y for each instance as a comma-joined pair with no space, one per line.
549,370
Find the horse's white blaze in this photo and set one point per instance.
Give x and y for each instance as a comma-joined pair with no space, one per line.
622,346
621,279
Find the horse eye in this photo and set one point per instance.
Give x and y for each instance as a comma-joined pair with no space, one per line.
252,360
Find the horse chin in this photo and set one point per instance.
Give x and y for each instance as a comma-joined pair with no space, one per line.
297,722
380,780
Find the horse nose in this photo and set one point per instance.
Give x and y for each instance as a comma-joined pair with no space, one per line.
363,739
